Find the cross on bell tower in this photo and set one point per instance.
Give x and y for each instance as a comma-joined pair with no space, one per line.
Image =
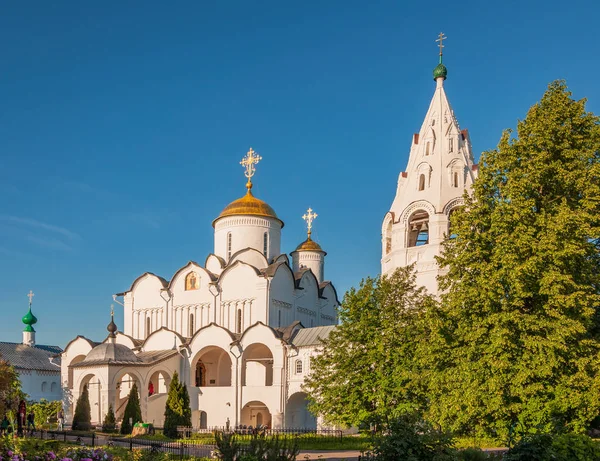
309,217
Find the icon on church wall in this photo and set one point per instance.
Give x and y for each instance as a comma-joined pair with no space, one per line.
192,281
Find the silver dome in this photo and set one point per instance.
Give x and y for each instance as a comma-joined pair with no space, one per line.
111,352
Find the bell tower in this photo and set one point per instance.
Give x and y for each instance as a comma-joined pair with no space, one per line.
440,168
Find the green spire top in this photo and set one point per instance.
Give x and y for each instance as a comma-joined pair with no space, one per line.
440,70
29,319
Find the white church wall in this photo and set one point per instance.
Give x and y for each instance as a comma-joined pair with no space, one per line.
125,340
307,304
281,292
242,288
162,339
328,313
148,306
247,232
214,264
250,256
41,384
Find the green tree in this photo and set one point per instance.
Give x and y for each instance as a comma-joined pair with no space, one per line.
516,337
177,408
45,411
82,419
367,372
10,388
133,412
109,424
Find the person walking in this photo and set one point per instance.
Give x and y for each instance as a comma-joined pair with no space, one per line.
4,426
61,420
31,422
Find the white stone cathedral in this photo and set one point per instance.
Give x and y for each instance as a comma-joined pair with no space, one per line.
440,168
239,330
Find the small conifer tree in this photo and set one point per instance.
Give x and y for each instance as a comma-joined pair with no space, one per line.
82,420
133,411
109,423
177,408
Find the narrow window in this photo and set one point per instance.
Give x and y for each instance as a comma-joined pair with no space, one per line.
451,145
388,238
53,387
422,182
455,179
147,326
191,332
298,367
229,245
427,149
265,244
44,386
238,327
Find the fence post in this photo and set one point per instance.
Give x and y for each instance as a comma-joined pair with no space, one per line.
131,444
181,450
65,435
93,439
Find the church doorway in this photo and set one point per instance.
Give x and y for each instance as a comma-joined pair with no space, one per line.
203,420
123,385
212,366
94,388
255,413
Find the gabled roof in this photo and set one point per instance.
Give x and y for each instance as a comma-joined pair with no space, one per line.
311,336
39,358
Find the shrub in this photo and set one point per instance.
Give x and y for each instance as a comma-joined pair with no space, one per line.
109,424
411,438
260,448
85,453
472,454
82,420
575,447
132,412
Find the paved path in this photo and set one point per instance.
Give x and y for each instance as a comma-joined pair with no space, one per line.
329,455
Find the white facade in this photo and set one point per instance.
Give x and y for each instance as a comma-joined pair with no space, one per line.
226,327
440,168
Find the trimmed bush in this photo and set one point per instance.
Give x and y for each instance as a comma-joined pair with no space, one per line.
109,424
82,420
133,411
177,408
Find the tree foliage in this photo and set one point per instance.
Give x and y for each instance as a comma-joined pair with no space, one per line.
367,372
82,419
133,412
177,408
109,424
10,388
45,411
517,331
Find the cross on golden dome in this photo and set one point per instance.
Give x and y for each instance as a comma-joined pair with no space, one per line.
309,217
251,158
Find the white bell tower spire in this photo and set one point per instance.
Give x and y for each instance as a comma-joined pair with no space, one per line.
440,168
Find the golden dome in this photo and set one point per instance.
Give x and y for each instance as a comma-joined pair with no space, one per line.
309,245
248,205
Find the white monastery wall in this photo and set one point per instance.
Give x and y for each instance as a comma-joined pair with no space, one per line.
247,232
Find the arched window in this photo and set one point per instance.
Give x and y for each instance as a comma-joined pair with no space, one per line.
422,182
192,281
427,148
191,332
451,145
53,387
265,244
418,229
44,386
238,326
388,237
298,367
455,179
229,245
200,374
147,326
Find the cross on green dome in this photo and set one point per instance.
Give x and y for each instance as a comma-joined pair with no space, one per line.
29,319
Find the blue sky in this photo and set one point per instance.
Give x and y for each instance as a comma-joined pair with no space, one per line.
122,125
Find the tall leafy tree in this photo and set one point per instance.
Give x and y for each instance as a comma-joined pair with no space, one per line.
517,332
10,388
82,419
367,372
133,411
177,407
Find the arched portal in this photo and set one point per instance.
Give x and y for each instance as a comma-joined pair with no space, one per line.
123,387
257,366
297,414
158,383
75,360
211,367
255,414
94,388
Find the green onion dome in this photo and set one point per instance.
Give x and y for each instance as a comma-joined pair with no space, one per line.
440,71
29,320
